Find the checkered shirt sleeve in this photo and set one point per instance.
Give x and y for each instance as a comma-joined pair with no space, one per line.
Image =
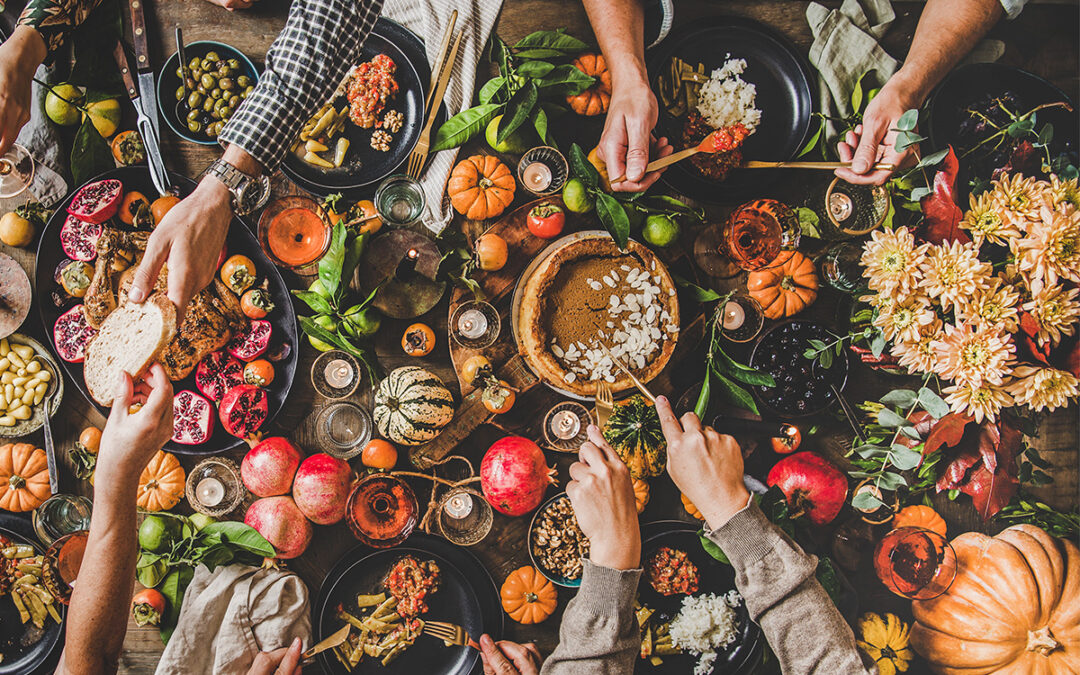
320,42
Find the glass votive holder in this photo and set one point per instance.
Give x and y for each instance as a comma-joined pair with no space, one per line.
335,374
382,511
214,487
565,426
464,516
400,200
342,429
543,170
741,318
295,233
60,515
475,324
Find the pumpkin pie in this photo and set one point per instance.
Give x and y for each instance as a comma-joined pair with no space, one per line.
587,290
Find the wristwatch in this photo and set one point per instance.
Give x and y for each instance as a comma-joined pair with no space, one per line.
248,193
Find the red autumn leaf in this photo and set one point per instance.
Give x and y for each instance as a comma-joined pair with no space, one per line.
992,489
941,215
923,422
979,460
1029,324
949,430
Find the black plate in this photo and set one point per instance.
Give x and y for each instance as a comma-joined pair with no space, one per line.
813,378
365,167
467,596
39,657
716,578
784,96
239,240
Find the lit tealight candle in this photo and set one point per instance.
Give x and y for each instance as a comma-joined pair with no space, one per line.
459,506
210,491
472,324
734,315
565,424
537,176
339,374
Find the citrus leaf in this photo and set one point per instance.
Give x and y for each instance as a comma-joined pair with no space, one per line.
518,109
464,125
614,219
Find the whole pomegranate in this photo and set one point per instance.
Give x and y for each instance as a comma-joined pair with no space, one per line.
813,486
322,487
282,524
269,466
514,475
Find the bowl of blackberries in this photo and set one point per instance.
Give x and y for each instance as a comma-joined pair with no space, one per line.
803,386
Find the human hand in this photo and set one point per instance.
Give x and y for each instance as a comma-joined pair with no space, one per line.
509,658
233,5
130,439
603,499
284,661
189,238
20,56
874,141
627,139
705,465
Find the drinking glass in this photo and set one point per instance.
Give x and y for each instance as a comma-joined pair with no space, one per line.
60,515
295,233
382,511
16,171
915,563
343,429
399,200
840,266
756,233
464,516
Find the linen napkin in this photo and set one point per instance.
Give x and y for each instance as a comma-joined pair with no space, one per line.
230,615
428,19
42,139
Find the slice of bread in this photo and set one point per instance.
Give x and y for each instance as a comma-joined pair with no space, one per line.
130,339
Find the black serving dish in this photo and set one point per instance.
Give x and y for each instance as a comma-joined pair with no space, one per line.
35,655
802,388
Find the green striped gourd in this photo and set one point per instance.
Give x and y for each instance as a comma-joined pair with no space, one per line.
412,405
633,432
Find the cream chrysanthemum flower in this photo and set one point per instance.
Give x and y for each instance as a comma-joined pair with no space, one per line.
1017,199
980,401
1057,311
891,261
972,356
984,221
1043,388
917,355
1061,192
902,320
1051,249
994,307
953,271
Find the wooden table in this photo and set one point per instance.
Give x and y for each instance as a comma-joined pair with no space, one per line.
1042,40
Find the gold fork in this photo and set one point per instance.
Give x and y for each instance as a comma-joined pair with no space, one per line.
626,371
604,403
449,632
420,152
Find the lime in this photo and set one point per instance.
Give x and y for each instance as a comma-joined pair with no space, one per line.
329,324
157,533
62,111
105,116
200,520
660,230
576,197
515,143
362,321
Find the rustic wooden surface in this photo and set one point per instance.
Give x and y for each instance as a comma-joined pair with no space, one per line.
1042,40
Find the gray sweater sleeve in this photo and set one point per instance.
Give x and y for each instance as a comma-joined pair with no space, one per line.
599,632
775,576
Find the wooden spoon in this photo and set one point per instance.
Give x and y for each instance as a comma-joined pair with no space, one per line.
707,144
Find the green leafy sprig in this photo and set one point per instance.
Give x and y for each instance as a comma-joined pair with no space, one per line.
1027,509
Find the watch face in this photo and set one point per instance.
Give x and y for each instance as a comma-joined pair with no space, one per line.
253,195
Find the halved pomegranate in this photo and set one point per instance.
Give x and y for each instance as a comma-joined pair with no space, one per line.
98,201
251,343
71,333
193,418
79,239
217,374
243,409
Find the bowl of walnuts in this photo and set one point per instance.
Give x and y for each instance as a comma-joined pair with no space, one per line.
557,546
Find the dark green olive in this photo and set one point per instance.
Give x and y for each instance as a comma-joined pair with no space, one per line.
194,115
234,64
208,104
227,83
191,83
180,93
234,101
216,93
195,63
243,81
194,100
194,126
179,71
212,56
207,81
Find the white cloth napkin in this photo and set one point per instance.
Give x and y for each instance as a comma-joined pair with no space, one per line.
428,19
41,138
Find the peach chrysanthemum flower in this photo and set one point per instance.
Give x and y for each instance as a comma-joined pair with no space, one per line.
902,320
993,307
973,356
1057,311
1062,192
1017,199
983,221
980,401
1051,249
917,355
952,272
1043,388
891,261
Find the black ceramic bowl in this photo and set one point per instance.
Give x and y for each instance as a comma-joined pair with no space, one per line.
802,388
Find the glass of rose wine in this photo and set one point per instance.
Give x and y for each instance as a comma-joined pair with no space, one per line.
16,171
915,563
757,232
295,232
382,511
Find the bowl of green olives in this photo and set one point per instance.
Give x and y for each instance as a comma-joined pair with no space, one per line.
216,80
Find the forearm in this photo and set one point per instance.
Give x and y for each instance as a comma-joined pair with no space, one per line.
599,632
620,31
26,49
53,20
776,579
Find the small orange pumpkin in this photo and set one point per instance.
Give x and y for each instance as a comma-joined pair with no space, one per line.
690,508
785,289
641,494
24,477
161,484
595,99
527,596
481,187
919,515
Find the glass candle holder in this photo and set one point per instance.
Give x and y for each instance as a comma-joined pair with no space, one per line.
382,511
475,324
915,563
741,318
214,487
16,170
841,269
565,426
335,374
464,516
343,429
400,200
543,170
60,515
856,210
295,233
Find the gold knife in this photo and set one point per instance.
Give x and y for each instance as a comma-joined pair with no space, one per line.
437,70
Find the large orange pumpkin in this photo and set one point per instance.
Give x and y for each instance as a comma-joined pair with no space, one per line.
527,596
161,484
786,288
1014,607
595,99
24,477
481,187
920,515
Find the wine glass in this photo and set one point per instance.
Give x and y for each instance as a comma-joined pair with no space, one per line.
382,511
915,563
756,233
16,171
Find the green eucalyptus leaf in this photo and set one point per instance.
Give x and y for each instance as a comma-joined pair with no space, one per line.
904,458
900,398
865,501
932,159
891,481
908,121
891,420
933,404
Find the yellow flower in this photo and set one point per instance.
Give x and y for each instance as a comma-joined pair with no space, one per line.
892,261
1017,199
1051,250
902,320
953,271
1043,388
985,223
885,640
973,356
1056,310
993,307
1063,192
980,401
917,355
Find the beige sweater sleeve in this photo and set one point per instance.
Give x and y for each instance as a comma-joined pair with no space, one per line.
599,632
775,576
